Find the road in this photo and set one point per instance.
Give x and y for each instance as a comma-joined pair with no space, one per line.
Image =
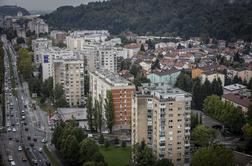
27,127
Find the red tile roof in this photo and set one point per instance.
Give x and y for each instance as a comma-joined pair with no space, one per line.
236,98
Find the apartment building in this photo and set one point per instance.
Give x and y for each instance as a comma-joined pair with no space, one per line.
38,26
161,118
41,43
122,90
46,58
70,74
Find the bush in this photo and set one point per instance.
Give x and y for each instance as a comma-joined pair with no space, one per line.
123,144
116,140
106,143
101,139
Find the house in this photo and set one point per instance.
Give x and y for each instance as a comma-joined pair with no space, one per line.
243,74
164,76
196,72
238,101
211,75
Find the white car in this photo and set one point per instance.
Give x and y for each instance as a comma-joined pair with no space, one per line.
23,117
8,124
23,111
43,140
20,148
9,129
10,158
13,163
40,150
14,129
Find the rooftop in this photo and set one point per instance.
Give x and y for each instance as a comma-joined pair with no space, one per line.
162,91
238,99
234,87
112,78
68,113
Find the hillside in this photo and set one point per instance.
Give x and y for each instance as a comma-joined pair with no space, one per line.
225,19
12,10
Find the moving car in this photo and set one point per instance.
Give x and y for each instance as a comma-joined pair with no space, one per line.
14,129
43,140
20,148
10,158
13,163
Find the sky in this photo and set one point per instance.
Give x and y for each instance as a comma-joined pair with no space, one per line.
43,5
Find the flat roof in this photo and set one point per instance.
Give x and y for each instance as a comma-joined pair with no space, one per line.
234,87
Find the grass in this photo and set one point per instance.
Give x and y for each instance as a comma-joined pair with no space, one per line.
116,156
51,157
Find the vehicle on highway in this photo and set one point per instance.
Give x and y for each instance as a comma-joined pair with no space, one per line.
20,148
17,140
31,144
26,129
28,137
23,117
40,150
43,140
8,124
35,139
10,158
9,129
34,161
14,129
13,163
22,111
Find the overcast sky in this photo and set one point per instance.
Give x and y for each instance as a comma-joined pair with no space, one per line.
42,4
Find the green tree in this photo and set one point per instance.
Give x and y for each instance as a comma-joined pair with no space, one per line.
90,113
142,48
203,136
163,162
197,96
184,82
215,155
249,114
109,111
24,63
143,155
71,150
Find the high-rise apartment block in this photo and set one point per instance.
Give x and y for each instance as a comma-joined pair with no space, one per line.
70,74
122,90
161,118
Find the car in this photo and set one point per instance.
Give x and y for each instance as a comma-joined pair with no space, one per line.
43,140
13,163
31,144
10,138
26,129
28,137
40,150
17,140
35,139
22,111
9,129
24,158
10,158
14,129
23,117
34,161
8,124
20,148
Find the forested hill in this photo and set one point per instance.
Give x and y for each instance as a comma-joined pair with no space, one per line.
12,10
222,19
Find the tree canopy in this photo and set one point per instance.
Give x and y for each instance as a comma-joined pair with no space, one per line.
220,19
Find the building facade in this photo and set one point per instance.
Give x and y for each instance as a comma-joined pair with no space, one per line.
161,118
70,74
102,81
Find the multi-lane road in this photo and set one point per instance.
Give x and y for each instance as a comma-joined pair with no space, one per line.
26,124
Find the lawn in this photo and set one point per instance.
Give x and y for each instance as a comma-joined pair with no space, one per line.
116,156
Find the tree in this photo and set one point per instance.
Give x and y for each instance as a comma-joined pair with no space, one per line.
249,114
151,45
155,64
24,63
109,111
203,136
197,96
214,155
90,113
184,82
142,48
88,148
143,155
71,150
163,162
247,130
98,115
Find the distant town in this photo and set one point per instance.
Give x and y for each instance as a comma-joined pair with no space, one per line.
91,98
